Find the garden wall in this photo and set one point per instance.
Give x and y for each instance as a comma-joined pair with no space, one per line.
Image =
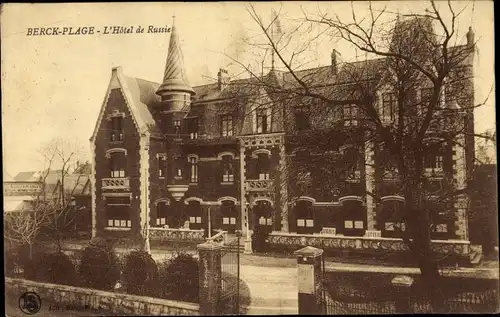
91,299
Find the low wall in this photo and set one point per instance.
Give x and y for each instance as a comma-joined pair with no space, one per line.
93,300
168,234
361,244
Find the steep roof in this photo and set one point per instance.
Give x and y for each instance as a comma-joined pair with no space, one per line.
75,184
25,176
175,78
138,94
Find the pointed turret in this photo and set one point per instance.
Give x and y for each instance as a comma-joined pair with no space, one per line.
174,78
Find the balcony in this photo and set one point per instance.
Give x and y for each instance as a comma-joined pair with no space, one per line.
116,183
258,185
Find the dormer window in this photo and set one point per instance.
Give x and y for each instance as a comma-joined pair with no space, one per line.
350,113
227,125
116,128
389,107
262,121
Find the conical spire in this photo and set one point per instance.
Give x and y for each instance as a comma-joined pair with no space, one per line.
174,78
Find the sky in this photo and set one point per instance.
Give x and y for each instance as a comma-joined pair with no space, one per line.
54,86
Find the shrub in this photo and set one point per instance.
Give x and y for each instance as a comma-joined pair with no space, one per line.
179,278
55,267
140,273
99,267
259,237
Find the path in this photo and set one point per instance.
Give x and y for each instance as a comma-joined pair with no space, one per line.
273,291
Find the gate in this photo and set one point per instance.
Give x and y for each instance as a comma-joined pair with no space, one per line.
229,299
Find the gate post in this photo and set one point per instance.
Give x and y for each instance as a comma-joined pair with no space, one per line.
210,271
403,284
309,280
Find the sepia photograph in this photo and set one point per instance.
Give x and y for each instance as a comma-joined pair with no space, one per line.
249,158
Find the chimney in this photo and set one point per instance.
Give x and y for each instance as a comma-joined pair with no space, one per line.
470,37
222,79
335,61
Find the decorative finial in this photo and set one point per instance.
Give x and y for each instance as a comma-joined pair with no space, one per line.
173,19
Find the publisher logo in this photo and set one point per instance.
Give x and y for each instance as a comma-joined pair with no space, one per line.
30,303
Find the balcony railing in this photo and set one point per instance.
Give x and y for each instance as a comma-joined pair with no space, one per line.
258,185
434,172
116,183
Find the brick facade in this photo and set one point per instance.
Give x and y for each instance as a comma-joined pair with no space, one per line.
244,156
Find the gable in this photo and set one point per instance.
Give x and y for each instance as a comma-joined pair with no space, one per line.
133,99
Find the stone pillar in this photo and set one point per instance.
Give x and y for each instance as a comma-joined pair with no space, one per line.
210,277
309,280
283,189
370,181
403,285
459,178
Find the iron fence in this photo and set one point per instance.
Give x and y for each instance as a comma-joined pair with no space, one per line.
230,278
346,301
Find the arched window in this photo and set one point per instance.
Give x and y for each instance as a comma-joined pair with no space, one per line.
193,168
162,212
391,218
227,169
263,166
263,214
305,216
117,164
195,215
229,215
116,128
353,217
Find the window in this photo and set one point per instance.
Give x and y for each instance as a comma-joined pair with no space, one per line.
263,166
177,127
193,167
192,128
227,169
117,163
262,121
118,212
178,168
305,217
393,224
434,162
354,216
116,125
194,212
227,125
263,213
162,166
389,107
302,118
162,213
425,98
229,214
350,113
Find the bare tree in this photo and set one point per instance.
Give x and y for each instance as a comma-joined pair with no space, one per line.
420,61
59,185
